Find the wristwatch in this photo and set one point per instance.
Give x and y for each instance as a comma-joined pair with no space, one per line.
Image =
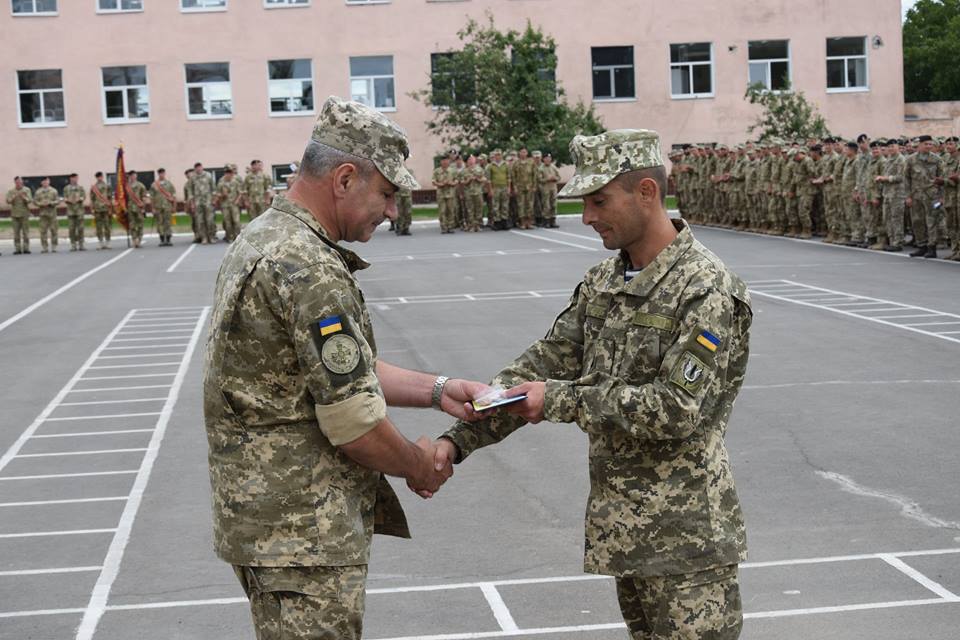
438,391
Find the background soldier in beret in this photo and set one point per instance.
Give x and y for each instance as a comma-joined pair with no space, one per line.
102,207
74,195
46,198
163,197
647,358
294,395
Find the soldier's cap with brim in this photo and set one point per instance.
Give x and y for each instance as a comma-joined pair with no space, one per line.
536,154
599,159
357,129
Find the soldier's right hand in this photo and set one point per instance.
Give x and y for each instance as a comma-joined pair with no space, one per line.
432,470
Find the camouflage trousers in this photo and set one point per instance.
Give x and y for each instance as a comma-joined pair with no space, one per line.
694,606
21,233
206,221
48,230
231,221
163,219
135,220
924,221
76,231
104,222
404,215
447,210
525,206
893,207
548,198
474,218
953,224
305,603
854,220
500,210
873,219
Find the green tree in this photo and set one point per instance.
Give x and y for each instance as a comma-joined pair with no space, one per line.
786,114
500,90
931,50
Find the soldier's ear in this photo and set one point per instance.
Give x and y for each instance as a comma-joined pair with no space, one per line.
648,190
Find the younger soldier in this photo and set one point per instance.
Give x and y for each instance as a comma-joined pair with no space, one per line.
163,195
445,182
524,181
548,179
47,199
473,179
950,177
137,200
20,198
257,190
848,196
498,181
188,206
537,200
102,209
923,169
202,188
229,194
74,195
404,211
893,190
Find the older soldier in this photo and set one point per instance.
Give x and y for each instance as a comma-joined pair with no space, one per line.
137,199
548,177
524,180
404,211
20,198
163,196
647,358
229,195
46,198
257,190
893,191
923,169
202,188
498,179
445,182
73,196
294,395
102,208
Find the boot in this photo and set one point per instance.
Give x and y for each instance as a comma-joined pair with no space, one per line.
805,234
791,231
893,248
830,239
920,252
931,251
878,244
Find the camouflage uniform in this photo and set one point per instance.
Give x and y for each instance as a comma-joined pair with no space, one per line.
256,188
874,226
548,178
851,207
650,369
229,193
473,179
524,181
894,168
202,188
136,211
498,176
46,199
951,202
290,375
922,169
445,181
404,211
74,195
101,205
20,201
161,193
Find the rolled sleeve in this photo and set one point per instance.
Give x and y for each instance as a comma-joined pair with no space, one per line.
347,420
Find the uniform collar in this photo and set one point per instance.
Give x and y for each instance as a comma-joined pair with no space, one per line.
281,203
651,275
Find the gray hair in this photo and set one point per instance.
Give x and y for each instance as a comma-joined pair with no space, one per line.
629,181
320,159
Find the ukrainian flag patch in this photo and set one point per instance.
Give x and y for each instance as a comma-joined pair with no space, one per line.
330,325
708,340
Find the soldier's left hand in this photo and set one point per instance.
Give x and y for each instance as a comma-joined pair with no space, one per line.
530,409
456,397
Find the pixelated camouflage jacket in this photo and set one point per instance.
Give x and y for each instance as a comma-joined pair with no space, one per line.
74,195
277,402
649,369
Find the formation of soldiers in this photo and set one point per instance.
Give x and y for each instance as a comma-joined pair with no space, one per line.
881,194
202,197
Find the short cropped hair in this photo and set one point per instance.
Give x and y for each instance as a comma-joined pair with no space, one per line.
320,159
629,181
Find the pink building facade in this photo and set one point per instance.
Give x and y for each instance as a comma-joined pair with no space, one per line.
218,81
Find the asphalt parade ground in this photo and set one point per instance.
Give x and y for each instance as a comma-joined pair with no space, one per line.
844,445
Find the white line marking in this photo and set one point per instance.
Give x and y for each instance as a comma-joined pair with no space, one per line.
143,333
519,632
142,318
43,534
111,565
92,433
69,475
153,324
499,608
534,294
474,297
469,297
142,309
150,339
38,612
534,236
928,324
844,608
144,346
37,503
131,366
576,235
915,315
114,415
92,402
37,572
830,383
140,375
78,453
908,508
142,356
44,300
134,388
920,578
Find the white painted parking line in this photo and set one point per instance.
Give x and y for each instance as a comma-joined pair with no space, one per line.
155,331
104,417
162,309
39,572
141,347
138,319
534,236
139,355
139,375
920,578
37,503
176,263
53,476
149,339
153,325
135,366
44,300
499,608
93,402
462,255
38,612
131,388
472,297
78,453
44,534
576,235
83,434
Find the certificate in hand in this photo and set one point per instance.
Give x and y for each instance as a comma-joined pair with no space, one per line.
484,404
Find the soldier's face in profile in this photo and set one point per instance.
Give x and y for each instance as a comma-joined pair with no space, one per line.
615,215
368,203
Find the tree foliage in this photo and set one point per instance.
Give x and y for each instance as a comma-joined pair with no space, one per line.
931,50
786,114
500,90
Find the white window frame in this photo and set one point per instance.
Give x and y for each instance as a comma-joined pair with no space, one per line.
193,85
611,68
292,114
286,4
123,89
40,125
203,9
118,9
846,60
690,65
367,2
35,13
768,61
371,84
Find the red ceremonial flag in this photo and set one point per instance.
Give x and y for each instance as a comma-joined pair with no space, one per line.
120,193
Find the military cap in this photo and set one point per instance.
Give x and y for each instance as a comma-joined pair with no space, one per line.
496,151
925,138
600,159
852,145
536,154
482,156
952,139
357,129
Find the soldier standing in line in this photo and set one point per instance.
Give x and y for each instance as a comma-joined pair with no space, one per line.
163,197
864,158
46,199
498,181
404,211
102,209
257,190
482,162
202,188
473,178
805,176
20,198
445,182
548,177
229,195
512,206
524,180
663,517
537,157
849,198
875,226
923,169
188,206
74,196
950,179
459,168
893,188
137,201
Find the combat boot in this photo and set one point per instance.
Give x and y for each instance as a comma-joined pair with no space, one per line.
805,234
919,252
878,244
931,251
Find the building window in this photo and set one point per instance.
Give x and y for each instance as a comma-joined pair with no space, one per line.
691,70
291,87
450,84
770,64
368,1
371,81
613,73
40,96
34,7
271,4
208,90
279,173
125,95
119,6
202,5
847,64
